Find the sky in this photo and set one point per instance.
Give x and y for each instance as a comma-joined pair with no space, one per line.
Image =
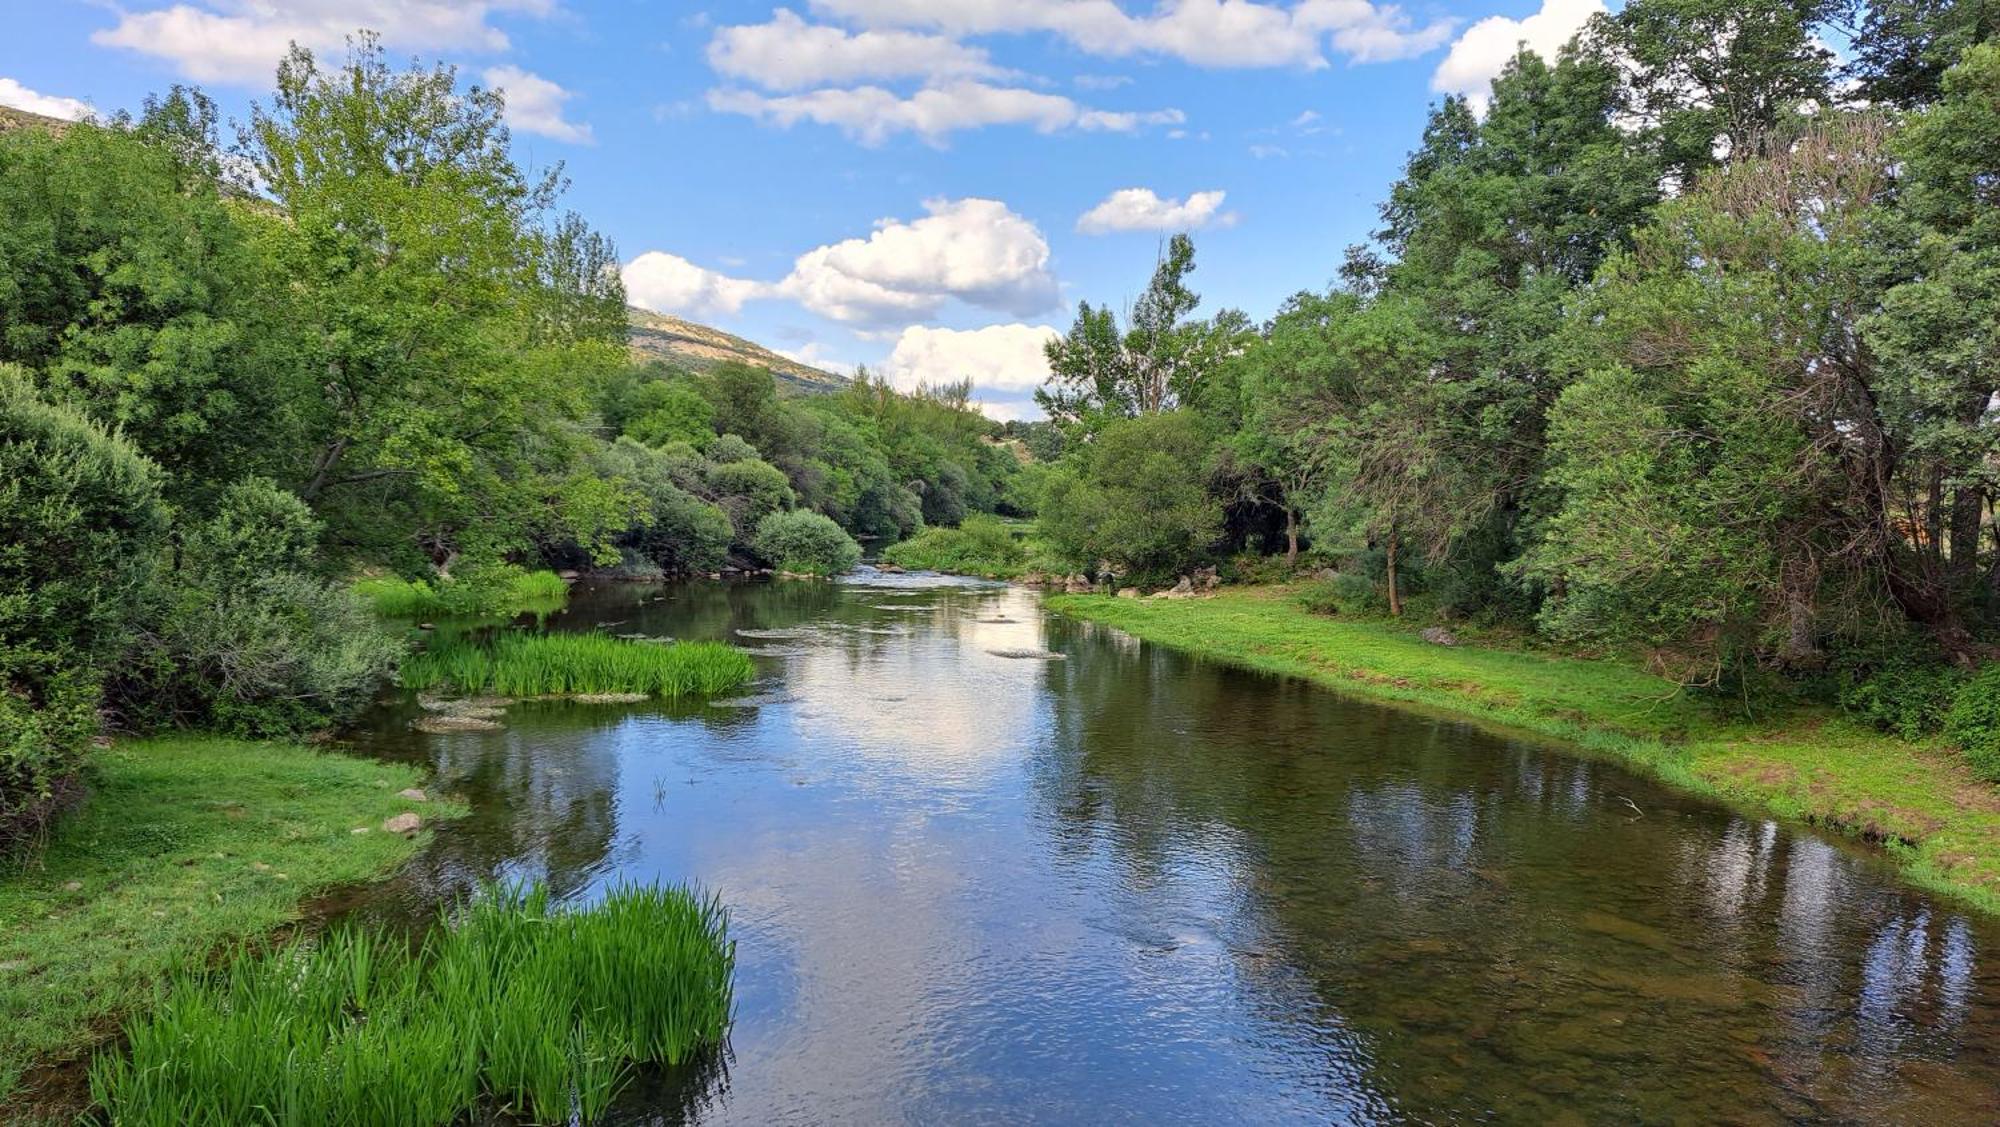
927,187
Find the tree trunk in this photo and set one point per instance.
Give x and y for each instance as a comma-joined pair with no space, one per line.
1395,600
1291,538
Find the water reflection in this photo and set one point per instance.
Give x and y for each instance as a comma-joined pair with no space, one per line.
1129,887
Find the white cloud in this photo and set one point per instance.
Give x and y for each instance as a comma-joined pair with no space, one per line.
1007,412
20,97
790,54
1266,152
535,105
1139,209
241,41
1477,57
812,355
1101,81
668,283
872,114
1005,358
1218,33
1305,118
974,250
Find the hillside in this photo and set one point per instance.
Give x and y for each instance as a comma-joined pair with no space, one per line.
688,345
11,118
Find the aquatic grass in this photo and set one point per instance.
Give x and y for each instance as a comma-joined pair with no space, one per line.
510,1006
509,593
526,665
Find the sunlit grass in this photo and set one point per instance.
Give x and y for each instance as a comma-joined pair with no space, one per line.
523,665
515,593
983,545
511,1005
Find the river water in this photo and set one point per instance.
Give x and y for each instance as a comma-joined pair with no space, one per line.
971,883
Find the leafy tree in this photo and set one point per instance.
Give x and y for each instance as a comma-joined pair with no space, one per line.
1135,496
679,532
453,332
806,543
1900,49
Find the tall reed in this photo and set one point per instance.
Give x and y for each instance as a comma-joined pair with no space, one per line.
510,1006
507,592
521,665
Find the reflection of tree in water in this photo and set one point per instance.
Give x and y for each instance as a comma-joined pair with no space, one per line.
1512,930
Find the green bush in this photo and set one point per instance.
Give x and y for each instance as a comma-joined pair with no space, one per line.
477,592
513,1009
983,545
243,638
1905,696
1974,722
806,543
680,534
81,527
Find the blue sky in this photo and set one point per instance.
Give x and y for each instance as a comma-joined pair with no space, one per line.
923,186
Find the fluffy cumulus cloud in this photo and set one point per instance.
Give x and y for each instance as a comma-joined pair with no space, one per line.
873,114
535,105
1001,358
241,40
20,97
974,251
790,54
1218,33
1479,55
668,283
1139,209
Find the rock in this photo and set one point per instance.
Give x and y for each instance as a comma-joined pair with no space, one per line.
260,866
403,824
1184,587
359,830
426,626
1438,636
567,576
73,886
1128,592
414,794
1078,585
889,569
1207,578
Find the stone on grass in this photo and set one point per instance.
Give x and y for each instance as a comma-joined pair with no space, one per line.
403,824
414,794
1438,636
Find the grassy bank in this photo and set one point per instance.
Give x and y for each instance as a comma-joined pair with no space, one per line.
185,845
1920,802
528,665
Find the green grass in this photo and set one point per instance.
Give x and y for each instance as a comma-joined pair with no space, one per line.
526,665
1918,801
185,845
513,592
510,1005
982,545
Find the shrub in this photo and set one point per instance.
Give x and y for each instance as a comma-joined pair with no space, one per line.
490,590
520,665
983,545
748,490
680,533
243,638
1905,696
1974,722
806,543
81,525
512,1007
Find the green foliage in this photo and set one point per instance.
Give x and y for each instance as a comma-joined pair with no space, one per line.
1904,694
526,665
806,544
1135,497
478,592
982,545
81,523
511,1005
679,533
672,412
1974,722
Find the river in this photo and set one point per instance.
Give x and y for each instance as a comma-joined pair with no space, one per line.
971,882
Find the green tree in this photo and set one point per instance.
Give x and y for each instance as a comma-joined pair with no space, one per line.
1135,496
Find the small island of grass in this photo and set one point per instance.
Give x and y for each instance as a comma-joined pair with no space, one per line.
529,665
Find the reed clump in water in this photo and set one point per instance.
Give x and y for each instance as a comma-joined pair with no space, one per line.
528,665
506,591
510,1006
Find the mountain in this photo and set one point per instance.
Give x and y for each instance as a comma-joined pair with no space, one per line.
11,118
684,344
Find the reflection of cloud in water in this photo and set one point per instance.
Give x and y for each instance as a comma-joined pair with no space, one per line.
931,702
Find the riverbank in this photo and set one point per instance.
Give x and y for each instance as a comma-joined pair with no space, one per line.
186,845
1919,803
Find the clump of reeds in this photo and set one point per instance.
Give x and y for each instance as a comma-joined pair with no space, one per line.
527,665
510,1006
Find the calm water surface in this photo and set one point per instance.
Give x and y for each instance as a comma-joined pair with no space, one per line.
1129,887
